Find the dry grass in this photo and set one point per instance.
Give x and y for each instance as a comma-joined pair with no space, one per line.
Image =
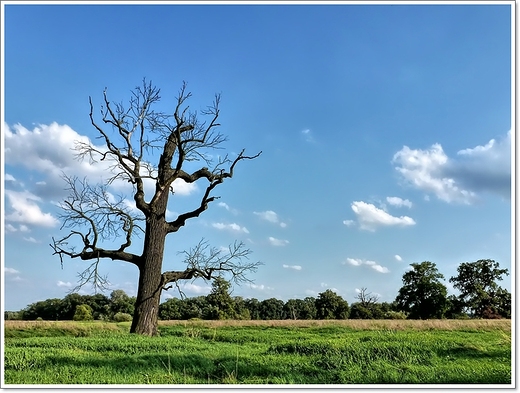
359,324
64,325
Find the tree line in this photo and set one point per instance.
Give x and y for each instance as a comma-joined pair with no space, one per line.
422,296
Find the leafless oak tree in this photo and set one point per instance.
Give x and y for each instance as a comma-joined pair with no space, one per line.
97,219
366,299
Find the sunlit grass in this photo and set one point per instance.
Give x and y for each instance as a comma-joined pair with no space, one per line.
261,352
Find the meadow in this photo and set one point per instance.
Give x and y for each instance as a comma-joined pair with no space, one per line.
260,352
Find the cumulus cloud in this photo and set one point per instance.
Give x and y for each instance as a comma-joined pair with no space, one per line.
10,270
398,202
277,242
458,180
227,207
49,150
9,177
398,258
24,209
230,227
370,217
270,216
293,267
64,284
374,265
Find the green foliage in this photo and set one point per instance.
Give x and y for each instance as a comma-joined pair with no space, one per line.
300,309
120,302
122,317
479,292
83,313
221,305
272,309
394,315
199,354
423,296
330,305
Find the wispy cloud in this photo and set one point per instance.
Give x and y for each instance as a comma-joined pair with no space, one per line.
398,258
230,227
277,242
370,217
374,265
31,239
10,270
64,284
308,135
271,216
227,207
293,267
396,201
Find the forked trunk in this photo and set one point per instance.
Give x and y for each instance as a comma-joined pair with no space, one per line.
150,287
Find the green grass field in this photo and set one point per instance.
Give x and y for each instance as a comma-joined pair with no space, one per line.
260,352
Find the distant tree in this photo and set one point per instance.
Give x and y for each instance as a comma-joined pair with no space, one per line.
195,307
455,308
13,315
367,306
272,309
171,309
49,310
330,305
95,218
300,308
69,304
220,302
83,313
241,310
121,302
423,295
254,307
479,292
122,317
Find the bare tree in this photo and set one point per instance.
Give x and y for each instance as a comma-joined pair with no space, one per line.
366,299
96,218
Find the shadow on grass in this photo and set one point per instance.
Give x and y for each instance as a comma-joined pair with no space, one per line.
191,367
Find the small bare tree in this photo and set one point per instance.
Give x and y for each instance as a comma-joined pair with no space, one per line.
366,299
96,218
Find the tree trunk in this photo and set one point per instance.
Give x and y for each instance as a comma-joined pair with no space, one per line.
150,272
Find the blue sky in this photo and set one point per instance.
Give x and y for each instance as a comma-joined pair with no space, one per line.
385,132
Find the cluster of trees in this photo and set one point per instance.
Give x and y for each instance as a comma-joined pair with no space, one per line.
118,307
422,296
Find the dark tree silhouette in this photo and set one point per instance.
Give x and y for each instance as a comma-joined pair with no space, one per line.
95,217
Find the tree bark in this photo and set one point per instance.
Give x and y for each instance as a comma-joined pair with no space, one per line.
150,271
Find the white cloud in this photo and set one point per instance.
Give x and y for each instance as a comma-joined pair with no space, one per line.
10,270
307,135
49,149
482,168
310,292
370,217
64,284
354,261
25,210
270,216
260,287
277,242
398,202
398,258
9,177
374,265
293,267
196,289
349,223
31,240
230,227
10,228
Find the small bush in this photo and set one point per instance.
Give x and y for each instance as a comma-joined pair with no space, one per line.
395,315
122,317
83,313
